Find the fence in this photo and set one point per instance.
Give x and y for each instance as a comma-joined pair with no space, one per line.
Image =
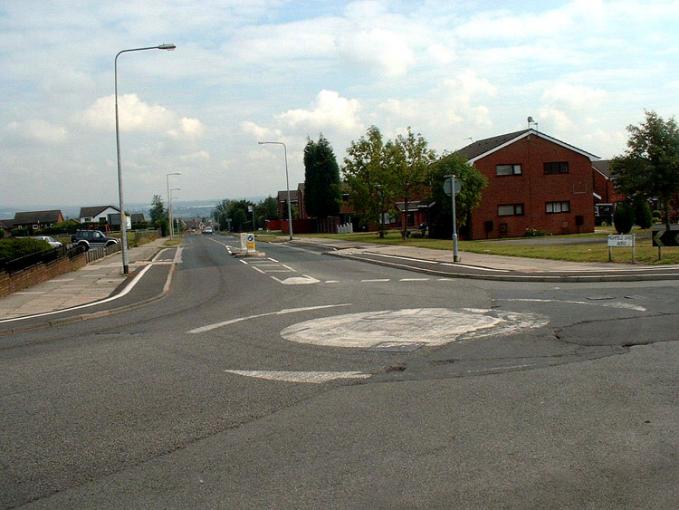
98,253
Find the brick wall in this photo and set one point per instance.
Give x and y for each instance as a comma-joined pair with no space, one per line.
533,189
37,274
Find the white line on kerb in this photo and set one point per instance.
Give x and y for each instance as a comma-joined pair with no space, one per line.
285,311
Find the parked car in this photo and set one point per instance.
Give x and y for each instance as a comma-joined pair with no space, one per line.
92,239
52,242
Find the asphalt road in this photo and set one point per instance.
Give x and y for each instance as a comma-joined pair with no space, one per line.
299,380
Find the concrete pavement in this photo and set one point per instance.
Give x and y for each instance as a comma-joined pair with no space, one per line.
93,282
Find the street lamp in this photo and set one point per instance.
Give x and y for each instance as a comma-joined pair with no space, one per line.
171,217
169,202
287,182
123,220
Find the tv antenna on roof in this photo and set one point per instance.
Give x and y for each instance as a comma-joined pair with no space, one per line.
531,121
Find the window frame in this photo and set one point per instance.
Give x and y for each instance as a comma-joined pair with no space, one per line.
514,210
561,207
514,167
555,167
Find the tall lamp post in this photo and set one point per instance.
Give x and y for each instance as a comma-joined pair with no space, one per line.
169,202
170,215
123,219
287,182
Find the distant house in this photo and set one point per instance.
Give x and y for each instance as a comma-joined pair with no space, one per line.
35,220
6,225
604,190
534,182
137,218
98,214
282,201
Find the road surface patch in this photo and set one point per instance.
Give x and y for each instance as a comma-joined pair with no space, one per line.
425,326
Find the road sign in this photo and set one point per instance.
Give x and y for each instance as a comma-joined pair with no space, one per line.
621,240
663,237
447,186
250,243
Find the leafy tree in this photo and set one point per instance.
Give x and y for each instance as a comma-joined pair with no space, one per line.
238,212
650,165
321,179
642,212
159,218
366,173
267,209
623,218
221,214
472,183
409,158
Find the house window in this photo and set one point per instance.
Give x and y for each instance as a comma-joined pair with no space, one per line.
557,207
510,210
556,167
508,169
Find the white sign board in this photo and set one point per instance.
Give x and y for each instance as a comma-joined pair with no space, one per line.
621,241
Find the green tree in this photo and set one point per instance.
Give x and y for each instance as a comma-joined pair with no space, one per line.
471,182
409,159
370,182
650,165
241,219
321,179
267,209
623,217
642,212
158,214
221,214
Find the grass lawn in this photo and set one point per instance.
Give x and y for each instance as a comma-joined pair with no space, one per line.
591,252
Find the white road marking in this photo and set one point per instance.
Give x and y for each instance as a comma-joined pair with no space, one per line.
244,262
301,249
257,269
426,326
298,280
272,259
285,311
623,306
401,257
291,269
376,280
414,280
480,268
495,369
332,281
299,377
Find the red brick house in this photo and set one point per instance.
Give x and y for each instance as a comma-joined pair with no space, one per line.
534,182
604,191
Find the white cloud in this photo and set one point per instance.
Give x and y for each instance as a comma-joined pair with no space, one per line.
384,51
574,96
136,115
38,130
196,156
329,111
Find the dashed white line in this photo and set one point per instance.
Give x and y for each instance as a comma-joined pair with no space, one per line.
414,280
376,280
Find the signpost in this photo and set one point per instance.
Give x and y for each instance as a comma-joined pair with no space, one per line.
662,236
452,187
618,241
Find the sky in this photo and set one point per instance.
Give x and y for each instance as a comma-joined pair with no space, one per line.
272,70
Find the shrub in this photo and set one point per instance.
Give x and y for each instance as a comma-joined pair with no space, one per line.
533,232
623,218
14,248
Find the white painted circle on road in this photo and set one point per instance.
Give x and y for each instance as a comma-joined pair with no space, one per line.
428,326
